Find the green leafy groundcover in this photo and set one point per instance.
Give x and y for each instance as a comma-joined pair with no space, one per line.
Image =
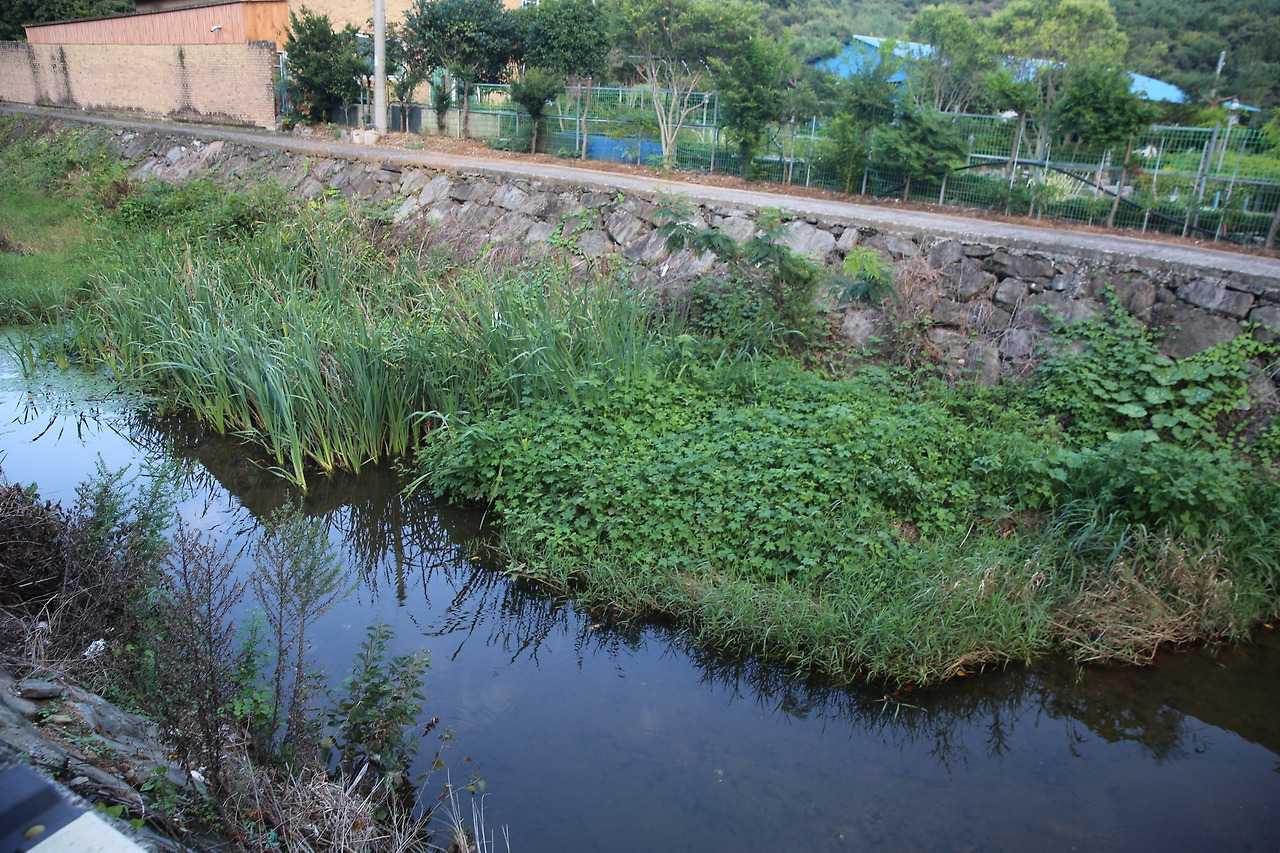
863,527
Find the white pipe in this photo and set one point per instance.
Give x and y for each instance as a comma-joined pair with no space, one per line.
380,66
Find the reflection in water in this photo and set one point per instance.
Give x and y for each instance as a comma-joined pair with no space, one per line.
639,722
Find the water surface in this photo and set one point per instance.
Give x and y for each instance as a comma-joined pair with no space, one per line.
624,738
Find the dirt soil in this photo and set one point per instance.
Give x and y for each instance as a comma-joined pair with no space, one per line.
475,148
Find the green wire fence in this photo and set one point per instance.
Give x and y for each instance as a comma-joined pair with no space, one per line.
1219,183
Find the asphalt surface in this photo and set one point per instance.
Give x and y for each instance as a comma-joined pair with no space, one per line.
1252,271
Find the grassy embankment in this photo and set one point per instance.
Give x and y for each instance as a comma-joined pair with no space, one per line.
881,525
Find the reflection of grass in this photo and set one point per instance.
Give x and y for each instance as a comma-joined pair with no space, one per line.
44,263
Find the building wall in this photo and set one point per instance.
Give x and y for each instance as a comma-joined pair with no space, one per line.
219,83
222,23
356,12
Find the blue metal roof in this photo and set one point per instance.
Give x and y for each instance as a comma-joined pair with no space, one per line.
1156,90
861,50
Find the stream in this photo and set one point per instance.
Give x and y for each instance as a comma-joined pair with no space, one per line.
591,736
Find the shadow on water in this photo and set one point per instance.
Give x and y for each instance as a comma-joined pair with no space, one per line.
599,734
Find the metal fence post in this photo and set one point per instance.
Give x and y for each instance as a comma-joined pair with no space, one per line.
1202,177
715,130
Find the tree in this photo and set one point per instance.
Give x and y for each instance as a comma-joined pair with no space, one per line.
752,85
800,104
323,62
671,42
922,142
953,75
407,69
1051,37
532,92
571,38
1098,105
15,13
474,40
1018,95
866,100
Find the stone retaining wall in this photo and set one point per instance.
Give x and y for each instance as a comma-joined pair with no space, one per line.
990,306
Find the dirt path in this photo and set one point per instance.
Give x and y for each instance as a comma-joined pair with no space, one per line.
1257,269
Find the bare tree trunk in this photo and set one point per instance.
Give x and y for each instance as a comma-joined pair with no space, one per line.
1017,143
1271,232
1124,174
586,107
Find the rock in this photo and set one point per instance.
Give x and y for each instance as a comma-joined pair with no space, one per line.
1010,292
413,181
637,207
539,232
623,227
476,216
949,313
478,192
848,240
340,180
510,197
409,208
808,240
1136,294
1214,297
22,737
174,154
1043,310
360,182
1188,331
978,250
35,688
950,339
309,188
512,226
1268,317
649,249
437,188
1018,344
135,147
442,210
594,243
861,328
968,279
738,228
212,150
143,169
594,199
994,318
685,265
945,252
988,359
546,206
1007,265
900,247
25,707
59,720
99,784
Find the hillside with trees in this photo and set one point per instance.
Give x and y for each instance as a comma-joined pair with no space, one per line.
1178,42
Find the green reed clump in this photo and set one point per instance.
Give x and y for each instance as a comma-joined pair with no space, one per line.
330,354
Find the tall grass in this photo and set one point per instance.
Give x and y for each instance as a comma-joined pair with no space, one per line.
332,355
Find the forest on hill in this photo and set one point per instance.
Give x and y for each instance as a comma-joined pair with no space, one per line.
1175,41
1179,42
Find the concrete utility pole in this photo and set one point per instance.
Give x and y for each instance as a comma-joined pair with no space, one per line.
380,66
